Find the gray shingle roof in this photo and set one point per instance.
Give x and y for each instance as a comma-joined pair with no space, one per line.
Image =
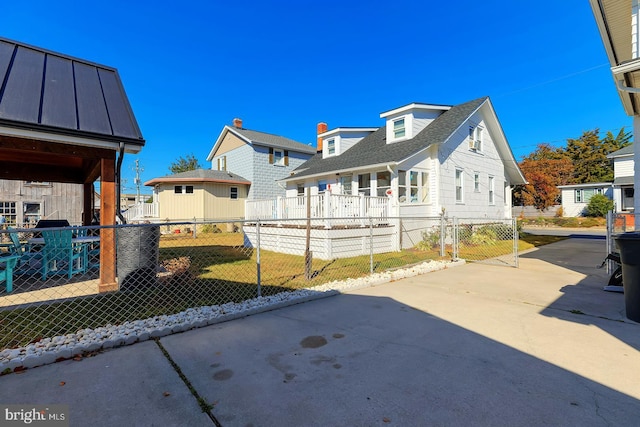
51,92
200,175
624,151
274,140
373,149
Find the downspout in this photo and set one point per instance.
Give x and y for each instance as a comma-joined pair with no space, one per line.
622,87
118,168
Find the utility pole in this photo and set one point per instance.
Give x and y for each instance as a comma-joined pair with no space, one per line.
136,181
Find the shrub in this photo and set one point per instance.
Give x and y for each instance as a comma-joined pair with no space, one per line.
559,212
210,228
429,240
485,236
599,205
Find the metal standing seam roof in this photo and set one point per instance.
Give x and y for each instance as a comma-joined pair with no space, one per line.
200,175
275,141
373,149
50,92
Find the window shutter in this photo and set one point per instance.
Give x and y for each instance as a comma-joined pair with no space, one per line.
270,155
218,163
286,158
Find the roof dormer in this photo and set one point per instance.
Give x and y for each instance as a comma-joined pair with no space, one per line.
405,122
336,141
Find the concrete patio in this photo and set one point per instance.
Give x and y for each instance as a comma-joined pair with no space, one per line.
478,344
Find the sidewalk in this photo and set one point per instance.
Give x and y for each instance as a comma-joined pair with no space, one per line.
475,345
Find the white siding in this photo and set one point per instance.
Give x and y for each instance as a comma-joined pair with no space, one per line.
571,208
623,167
455,154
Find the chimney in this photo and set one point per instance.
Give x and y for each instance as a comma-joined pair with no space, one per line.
322,128
237,123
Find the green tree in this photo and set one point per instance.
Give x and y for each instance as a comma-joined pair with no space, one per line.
599,205
544,170
589,155
183,164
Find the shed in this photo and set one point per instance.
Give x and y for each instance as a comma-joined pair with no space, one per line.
65,119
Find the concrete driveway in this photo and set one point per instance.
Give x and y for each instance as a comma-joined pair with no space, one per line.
472,345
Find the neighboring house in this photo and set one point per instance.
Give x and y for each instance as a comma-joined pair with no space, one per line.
617,22
575,197
623,190
24,203
202,194
426,159
261,158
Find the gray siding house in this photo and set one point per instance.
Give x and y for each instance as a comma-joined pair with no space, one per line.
261,158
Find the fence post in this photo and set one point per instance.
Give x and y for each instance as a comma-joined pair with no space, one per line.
258,257
443,232
195,228
516,237
371,245
456,239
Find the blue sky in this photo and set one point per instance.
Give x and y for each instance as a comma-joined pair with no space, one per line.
189,68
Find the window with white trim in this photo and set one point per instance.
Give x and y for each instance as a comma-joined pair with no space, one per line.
278,157
476,182
475,138
383,183
8,212
399,130
300,190
364,184
222,163
491,191
345,183
459,185
183,189
424,187
233,193
331,146
583,195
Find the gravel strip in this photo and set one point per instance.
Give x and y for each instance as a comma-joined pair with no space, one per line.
50,350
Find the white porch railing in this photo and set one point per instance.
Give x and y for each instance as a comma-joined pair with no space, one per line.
141,211
326,206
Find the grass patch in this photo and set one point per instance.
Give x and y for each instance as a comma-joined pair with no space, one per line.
534,240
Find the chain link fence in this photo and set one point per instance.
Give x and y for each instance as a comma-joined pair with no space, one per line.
57,281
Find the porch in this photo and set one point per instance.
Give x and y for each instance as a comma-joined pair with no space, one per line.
334,209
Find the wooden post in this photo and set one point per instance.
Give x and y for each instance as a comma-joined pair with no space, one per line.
87,203
108,218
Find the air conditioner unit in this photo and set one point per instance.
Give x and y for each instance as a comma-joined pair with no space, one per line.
474,144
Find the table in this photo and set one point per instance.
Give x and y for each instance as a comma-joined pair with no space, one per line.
80,240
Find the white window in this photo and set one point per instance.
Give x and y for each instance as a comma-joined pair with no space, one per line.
583,195
8,213
32,212
383,183
475,138
364,184
424,185
183,189
345,183
476,182
233,193
278,157
459,185
398,128
300,189
222,163
413,187
331,146
491,196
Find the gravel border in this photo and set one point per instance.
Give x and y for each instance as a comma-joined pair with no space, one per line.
50,350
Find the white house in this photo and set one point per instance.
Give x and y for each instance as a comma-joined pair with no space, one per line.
623,190
259,157
618,23
576,197
425,159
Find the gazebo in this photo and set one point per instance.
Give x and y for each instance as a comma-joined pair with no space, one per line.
64,119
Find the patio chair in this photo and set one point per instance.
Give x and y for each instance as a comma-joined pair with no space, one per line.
61,255
28,261
8,261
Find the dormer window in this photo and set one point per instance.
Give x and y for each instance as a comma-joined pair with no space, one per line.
398,128
331,146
